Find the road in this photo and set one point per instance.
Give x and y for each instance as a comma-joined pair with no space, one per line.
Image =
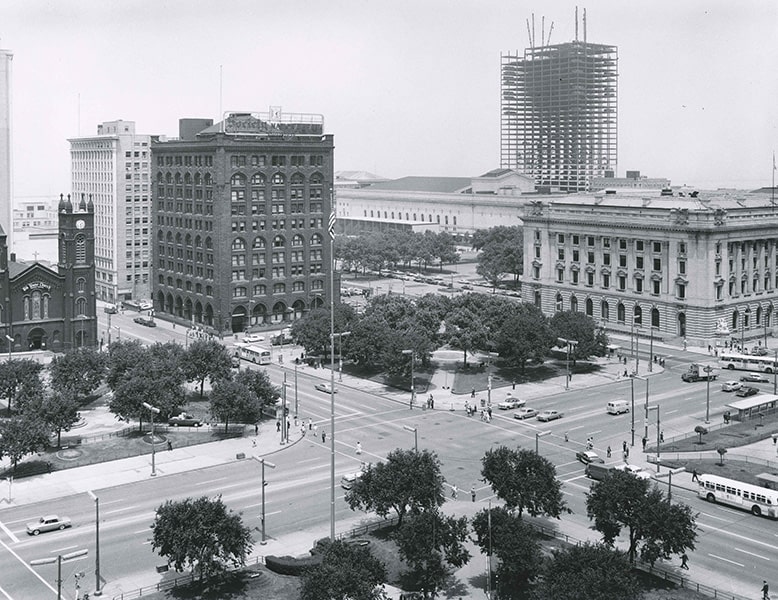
731,542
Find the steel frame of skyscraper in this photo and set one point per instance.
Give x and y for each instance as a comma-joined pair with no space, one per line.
559,112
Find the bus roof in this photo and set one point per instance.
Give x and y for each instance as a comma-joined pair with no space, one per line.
752,401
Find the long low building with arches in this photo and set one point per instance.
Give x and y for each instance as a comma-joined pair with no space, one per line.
702,267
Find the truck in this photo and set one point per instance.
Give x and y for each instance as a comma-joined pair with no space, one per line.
700,372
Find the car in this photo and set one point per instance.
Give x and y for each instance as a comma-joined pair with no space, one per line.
525,413
730,386
111,309
325,387
48,523
145,321
253,338
145,304
549,415
510,403
635,470
746,390
588,457
184,420
755,378
759,351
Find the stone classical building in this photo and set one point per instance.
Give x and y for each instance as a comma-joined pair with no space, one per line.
54,309
240,220
702,267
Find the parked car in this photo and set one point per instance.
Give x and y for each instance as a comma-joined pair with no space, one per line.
525,413
760,351
755,378
325,387
145,304
588,457
145,321
510,403
184,420
747,390
635,470
730,386
111,309
253,338
48,523
549,415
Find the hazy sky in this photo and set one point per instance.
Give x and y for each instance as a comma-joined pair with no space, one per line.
408,87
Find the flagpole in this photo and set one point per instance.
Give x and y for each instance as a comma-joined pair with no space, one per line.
772,188
331,232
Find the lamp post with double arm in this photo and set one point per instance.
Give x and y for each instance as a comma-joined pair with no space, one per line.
154,411
413,362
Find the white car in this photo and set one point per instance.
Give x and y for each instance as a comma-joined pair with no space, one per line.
549,415
635,470
253,338
324,387
755,378
47,523
145,304
730,386
510,403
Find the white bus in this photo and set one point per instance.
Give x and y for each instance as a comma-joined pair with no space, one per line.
255,354
747,362
758,500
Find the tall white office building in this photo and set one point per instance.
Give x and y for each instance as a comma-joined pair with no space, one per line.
113,169
6,179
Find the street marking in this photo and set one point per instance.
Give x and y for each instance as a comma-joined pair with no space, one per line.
742,537
61,550
28,567
715,517
669,412
9,532
752,554
112,502
117,510
302,462
727,560
574,428
142,530
210,481
6,594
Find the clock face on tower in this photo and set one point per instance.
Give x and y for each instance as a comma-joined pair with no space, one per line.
80,224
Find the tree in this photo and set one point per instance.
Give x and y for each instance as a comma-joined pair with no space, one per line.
524,481
525,335
431,543
22,435
312,331
20,379
574,325
259,384
232,401
722,451
200,534
206,359
78,372
123,357
516,545
701,431
346,571
59,410
587,572
465,330
623,500
407,482
502,252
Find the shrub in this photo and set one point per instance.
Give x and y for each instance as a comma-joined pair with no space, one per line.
289,565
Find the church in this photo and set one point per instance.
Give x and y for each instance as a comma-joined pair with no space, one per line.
52,309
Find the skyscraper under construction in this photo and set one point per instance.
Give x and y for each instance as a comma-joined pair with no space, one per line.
558,119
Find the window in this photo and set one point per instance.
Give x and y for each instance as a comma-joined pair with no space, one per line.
682,267
574,277
606,242
680,291
623,260
560,254
576,255
590,279
590,241
656,287
639,286
590,258
560,238
657,264
657,247
560,275
606,259
681,247
576,240
622,283
639,262
622,244
606,280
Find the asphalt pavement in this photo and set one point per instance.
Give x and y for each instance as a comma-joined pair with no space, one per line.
267,442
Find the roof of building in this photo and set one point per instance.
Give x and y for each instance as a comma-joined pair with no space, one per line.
359,176
426,184
703,201
497,173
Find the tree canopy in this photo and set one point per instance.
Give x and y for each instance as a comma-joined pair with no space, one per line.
407,482
502,253
656,527
346,572
22,435
524,481
77,372
206,359
524,336
574,325
232,401
20,379
200,534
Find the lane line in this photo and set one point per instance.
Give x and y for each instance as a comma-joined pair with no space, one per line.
6,594
752,554
28,567
9,533
118,510
742,566
61,550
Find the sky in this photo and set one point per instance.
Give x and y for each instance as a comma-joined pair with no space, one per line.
407,87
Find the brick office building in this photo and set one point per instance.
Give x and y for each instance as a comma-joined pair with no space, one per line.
240,217
43,308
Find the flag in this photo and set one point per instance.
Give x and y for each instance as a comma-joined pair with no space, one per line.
331,225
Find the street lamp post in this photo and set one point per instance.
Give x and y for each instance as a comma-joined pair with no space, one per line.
746,314
284,432
98,591
650,348
658,433
10,346
296,412
568,343
669,476
637,349
154,411
58,559
340,353
538,435
263,463
413,362
775,373
707,369
415,431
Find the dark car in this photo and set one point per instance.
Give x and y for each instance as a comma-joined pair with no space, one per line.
755,378
184,420
588,457
747,390
145,321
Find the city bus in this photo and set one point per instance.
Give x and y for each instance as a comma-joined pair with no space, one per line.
757,500
255,354
747,362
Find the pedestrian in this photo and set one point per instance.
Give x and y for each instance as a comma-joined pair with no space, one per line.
278,426
624,445
256,428
489,410
775,438
684,560
359,448
661,436
432,402
454,492
765,590
608,452
315,430
567,439
310,423
287,425
626,454
513,384
302,429
169,445
472,393
472,493
323,436
694,476
645,441
254,443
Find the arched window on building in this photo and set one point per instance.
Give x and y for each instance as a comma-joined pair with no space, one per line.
589,307
605,312
655,322
621,313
